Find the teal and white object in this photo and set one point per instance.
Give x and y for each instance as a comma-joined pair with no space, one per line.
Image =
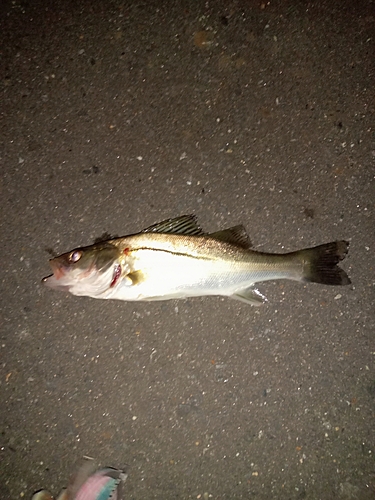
104,484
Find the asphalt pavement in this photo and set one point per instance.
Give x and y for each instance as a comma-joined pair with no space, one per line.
118,114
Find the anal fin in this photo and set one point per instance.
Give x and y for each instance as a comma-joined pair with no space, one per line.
250,296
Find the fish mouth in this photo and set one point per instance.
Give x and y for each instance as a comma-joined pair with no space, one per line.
65,279
51,282
55,280
58,269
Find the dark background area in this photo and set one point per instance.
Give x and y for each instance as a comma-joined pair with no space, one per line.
116,115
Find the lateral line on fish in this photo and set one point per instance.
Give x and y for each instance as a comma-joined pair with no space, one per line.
179,254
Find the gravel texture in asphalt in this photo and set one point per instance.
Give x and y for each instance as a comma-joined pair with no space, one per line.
118,114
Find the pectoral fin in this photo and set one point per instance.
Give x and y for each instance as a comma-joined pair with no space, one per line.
251,296
135,278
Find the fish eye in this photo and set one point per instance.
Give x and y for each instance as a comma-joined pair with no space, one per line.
75,255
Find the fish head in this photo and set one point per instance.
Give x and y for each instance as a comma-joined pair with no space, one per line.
86,271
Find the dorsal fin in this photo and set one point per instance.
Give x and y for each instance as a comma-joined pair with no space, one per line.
235,235
185,224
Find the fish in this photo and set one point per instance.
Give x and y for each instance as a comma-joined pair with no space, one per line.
175,259
90,484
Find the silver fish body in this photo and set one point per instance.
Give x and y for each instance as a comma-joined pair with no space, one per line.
175,259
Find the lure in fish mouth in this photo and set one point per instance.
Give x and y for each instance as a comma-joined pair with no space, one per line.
176,259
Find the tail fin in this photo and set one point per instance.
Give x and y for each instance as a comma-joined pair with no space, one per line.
320,263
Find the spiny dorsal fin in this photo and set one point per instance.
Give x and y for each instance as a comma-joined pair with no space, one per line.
185,224
236,235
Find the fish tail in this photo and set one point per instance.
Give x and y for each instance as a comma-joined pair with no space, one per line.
320,263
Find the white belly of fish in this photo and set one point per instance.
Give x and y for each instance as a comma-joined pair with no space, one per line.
158,275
